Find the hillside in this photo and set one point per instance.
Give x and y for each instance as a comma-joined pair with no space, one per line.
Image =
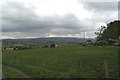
54,39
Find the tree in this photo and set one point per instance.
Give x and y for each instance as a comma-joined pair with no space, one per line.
100,32
109,32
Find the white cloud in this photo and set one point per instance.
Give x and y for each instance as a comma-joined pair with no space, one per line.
60,7
6,37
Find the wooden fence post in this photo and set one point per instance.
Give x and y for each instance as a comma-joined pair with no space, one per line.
57,64
78,65
31,61
106,69
15,58
9,57
34,61
25,60
43,65
73,62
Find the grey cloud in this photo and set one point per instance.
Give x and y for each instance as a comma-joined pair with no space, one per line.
102,11
18,18
101,6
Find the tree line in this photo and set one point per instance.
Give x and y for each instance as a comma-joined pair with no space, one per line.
111,31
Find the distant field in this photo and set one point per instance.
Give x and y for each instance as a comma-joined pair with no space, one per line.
62,62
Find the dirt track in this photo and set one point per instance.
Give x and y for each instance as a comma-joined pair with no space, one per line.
20,72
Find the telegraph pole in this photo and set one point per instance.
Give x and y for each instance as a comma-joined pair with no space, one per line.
84,36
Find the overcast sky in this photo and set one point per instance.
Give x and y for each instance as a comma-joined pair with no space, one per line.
55,18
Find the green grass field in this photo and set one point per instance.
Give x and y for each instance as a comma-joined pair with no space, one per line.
10,73
62,62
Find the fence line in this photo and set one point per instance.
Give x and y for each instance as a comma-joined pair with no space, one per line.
34,62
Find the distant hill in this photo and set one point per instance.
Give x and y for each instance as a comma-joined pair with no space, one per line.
54,39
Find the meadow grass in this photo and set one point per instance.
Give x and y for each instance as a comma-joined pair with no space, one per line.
62,62
10,73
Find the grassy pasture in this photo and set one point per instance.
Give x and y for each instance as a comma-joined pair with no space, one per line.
10,73
62,62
